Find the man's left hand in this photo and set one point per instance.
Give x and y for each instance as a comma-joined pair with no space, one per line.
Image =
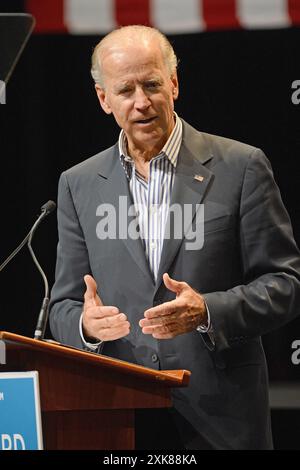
178,316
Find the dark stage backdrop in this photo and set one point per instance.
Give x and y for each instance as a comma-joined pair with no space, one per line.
236,84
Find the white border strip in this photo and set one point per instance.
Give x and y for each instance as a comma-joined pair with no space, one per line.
263,13
177,16
89,16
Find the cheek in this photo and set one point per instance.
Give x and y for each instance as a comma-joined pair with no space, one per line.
122,116
168,100
167,106
119,110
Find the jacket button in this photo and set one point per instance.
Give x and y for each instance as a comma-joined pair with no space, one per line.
154,358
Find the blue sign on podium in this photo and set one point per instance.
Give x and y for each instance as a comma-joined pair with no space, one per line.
20,411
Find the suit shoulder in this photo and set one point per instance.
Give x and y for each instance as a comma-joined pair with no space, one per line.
226,148
217,148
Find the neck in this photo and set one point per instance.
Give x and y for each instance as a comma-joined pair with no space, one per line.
143,155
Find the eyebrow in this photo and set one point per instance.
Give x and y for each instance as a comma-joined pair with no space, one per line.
153,79
122,86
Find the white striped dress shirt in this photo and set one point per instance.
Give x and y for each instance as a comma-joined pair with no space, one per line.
152,198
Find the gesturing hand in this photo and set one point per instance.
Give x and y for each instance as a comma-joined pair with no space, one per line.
98,321
178,316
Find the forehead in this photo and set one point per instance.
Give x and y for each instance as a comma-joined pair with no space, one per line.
128,62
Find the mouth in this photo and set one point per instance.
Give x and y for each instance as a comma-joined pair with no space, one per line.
145,121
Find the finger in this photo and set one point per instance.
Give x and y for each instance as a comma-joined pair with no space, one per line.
103,324
112,321
112,334
91,295
162,331
91,287
100,312
167,308
159,321
95,326
172,284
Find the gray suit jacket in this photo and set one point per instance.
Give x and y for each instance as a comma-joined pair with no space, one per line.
248,270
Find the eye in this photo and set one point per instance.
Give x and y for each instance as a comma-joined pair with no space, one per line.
152,85
125,92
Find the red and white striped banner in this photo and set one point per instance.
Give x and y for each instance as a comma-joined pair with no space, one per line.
170,16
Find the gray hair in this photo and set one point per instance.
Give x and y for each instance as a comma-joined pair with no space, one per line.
143,33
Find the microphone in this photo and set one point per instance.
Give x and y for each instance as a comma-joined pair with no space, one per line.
46,209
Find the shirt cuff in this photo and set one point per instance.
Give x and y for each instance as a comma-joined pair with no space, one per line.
208,327
92,346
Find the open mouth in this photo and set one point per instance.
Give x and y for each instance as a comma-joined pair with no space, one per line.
146,121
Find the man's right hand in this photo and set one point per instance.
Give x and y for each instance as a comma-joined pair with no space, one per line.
98,321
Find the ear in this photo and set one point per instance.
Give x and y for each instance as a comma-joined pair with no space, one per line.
175,85
103,99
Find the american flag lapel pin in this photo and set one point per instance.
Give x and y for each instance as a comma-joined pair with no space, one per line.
199,178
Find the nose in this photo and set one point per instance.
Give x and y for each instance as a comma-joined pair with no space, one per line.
141,100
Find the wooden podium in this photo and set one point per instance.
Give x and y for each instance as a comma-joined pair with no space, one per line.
88,400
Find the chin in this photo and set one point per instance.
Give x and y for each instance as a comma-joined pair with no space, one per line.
151,136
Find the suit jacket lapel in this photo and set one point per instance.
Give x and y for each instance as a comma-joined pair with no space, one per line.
114,185
186,190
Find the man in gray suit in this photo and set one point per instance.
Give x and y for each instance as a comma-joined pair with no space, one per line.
191,248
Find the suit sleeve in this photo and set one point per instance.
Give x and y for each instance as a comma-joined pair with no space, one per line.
71,265
270,294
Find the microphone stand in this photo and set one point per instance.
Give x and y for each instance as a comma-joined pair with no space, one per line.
44,311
